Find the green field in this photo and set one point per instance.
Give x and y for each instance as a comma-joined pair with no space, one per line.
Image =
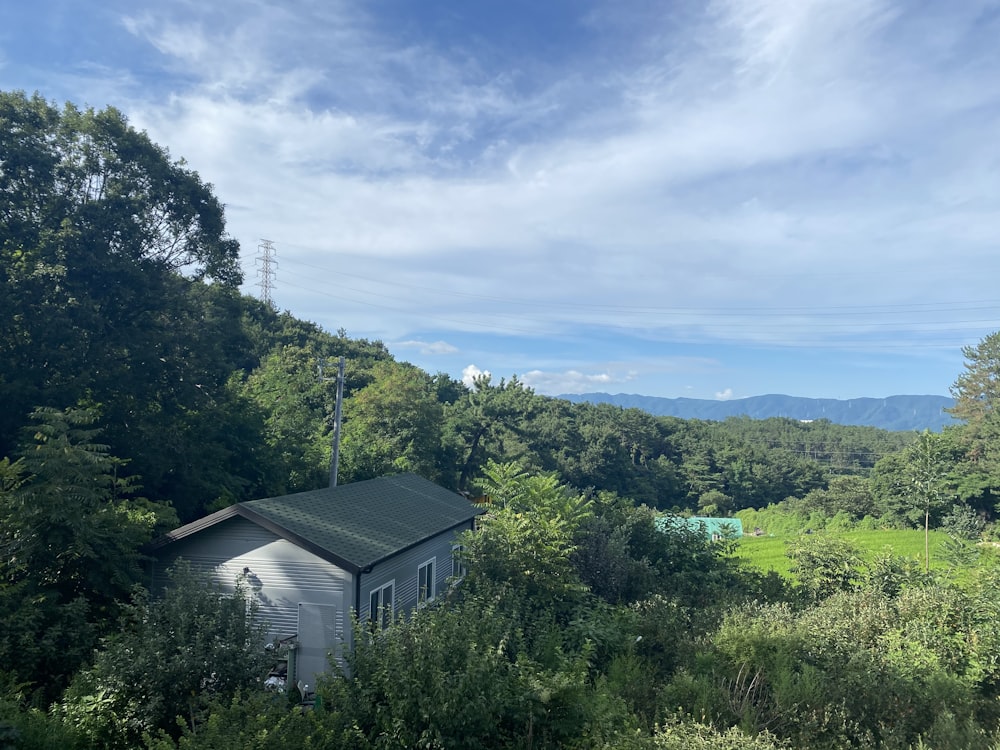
767,553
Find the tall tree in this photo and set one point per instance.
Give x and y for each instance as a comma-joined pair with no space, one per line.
977,395
525,540
106,248
70,532
286,388
977,390
926,475
392,425
74,523
486,423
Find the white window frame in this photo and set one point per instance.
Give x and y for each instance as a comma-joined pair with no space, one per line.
382,613
458,569
426,589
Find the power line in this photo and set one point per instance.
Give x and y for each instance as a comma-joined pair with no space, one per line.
695,328
796,326
924,308
729,320
761,311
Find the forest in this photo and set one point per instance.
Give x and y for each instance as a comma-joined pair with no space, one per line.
142,390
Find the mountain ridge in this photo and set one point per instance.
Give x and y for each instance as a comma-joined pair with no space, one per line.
901,413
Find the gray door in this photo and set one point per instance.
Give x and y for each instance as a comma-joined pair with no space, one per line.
318,638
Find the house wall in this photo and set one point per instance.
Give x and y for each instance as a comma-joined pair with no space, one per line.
282,576
402,569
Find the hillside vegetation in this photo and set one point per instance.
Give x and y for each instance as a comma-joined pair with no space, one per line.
896,413
142,390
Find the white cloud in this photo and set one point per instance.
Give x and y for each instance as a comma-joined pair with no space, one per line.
471,372
568,381
725,395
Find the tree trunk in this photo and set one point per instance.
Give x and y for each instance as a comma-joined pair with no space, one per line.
927,543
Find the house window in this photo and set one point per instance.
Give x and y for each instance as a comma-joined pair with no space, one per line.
381,605
425,581
458,569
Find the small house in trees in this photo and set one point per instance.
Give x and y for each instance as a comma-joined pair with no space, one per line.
376,548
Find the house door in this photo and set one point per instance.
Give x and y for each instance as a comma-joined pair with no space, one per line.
318,639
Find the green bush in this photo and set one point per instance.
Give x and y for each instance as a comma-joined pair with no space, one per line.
172,658
257,720
824,564
857,669
23,727
691,735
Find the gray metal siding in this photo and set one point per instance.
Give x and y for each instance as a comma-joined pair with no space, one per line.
281,574
403,570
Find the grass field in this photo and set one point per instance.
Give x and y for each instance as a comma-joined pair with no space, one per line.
767,553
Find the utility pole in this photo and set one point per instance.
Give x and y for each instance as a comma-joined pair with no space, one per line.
266,265
335,453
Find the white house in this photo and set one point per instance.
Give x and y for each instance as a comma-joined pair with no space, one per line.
375,548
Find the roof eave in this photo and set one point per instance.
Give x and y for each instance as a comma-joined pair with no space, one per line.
194,527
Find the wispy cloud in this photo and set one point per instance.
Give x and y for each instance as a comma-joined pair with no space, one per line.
427,347
809,173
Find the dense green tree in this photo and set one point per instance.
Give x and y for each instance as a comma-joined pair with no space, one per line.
641,458
846,493
625,556
977,392
523,543
93,215
487,422
840,449
285,387
888,486
70,531
107,248
74,523
752,467
392,425
556,440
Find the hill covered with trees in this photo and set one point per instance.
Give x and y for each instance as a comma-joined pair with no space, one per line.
141,390
894,413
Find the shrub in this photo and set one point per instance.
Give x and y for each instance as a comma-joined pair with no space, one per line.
173,656
824,564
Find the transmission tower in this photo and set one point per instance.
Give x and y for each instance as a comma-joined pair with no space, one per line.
266,266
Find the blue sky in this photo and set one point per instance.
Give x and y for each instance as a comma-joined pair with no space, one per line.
703,199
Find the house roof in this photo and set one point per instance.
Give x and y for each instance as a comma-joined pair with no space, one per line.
353,525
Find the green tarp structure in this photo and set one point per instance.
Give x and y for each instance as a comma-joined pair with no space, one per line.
716,528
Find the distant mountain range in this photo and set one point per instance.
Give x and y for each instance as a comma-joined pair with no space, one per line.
896,413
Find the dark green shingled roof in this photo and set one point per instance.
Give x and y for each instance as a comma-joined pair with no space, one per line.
359,524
